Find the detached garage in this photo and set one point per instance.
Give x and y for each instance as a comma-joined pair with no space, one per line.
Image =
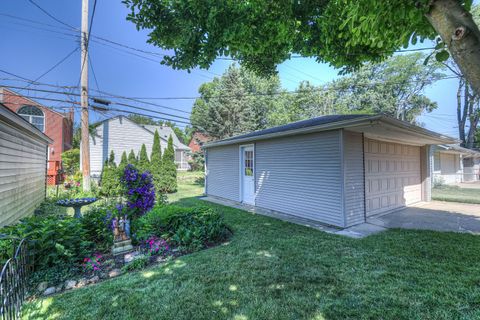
337,169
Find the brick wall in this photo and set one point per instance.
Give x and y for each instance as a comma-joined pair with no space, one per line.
58,126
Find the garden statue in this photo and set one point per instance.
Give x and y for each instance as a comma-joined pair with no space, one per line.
121,236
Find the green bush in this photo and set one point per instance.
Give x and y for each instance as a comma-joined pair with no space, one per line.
96,222
71,161
137,264
169,169
189,228
53,241
143,162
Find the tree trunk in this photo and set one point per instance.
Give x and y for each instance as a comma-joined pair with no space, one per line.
457,29
460,116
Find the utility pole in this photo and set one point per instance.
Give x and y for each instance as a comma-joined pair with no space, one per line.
84,98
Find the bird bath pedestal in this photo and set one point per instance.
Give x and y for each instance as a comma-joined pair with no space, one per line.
76,204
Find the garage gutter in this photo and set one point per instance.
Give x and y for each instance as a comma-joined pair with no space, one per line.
350,123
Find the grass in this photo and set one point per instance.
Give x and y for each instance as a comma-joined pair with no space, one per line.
276,270
456,194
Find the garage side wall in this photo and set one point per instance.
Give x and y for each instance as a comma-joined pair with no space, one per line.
354,178
222,172
302,176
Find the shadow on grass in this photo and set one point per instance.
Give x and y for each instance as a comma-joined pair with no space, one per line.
272,269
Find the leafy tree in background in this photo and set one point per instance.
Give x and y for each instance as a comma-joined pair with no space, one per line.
71,161
138,119
344,33
394,87
132,158
169,169
227,107
143,163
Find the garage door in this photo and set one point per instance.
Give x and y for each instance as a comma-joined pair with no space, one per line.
392,176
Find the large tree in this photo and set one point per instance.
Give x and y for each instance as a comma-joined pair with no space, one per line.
237,102
345,33
240,101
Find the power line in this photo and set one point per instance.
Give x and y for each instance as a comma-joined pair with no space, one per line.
53,67
78,95
51,16
93,71
116,103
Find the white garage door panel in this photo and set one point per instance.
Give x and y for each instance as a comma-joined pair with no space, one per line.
392,176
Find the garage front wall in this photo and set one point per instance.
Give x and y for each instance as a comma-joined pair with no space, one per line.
392,176
302,176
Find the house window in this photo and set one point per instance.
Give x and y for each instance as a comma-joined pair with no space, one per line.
436,161
248,163
33,115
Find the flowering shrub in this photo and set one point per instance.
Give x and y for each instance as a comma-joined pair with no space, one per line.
93,263
155,246
140,191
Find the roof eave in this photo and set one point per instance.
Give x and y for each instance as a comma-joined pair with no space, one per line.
318,128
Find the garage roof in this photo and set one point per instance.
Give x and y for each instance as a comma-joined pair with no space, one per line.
373,125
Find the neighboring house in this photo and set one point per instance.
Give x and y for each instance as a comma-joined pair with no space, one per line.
121,134
23,164
453,164
57,126
198,140
338,170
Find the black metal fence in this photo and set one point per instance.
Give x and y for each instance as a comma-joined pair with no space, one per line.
14,280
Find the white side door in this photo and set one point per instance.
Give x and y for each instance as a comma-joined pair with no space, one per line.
247,175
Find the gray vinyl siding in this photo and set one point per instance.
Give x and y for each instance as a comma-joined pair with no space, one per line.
23,162
354,183
222,174
301,175
119,135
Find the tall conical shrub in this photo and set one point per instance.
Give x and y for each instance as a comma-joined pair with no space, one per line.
169,169
109,182
143,163
111,160
132,158
156,168
124,161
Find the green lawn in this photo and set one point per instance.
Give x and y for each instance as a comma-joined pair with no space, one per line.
456,194
276,270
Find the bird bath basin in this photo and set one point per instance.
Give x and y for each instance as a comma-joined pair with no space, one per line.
76,204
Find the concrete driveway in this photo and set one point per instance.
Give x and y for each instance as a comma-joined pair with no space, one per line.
435,215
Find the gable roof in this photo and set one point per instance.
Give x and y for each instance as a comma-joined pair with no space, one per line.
163,131
331,122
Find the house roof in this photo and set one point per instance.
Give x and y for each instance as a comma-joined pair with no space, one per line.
164,133
455,148
372,125
14,119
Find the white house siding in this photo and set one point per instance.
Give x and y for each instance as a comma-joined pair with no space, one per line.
222,172
448,168
119,135
23,161
301,175
354,184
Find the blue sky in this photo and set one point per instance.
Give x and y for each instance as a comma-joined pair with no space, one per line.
30,49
